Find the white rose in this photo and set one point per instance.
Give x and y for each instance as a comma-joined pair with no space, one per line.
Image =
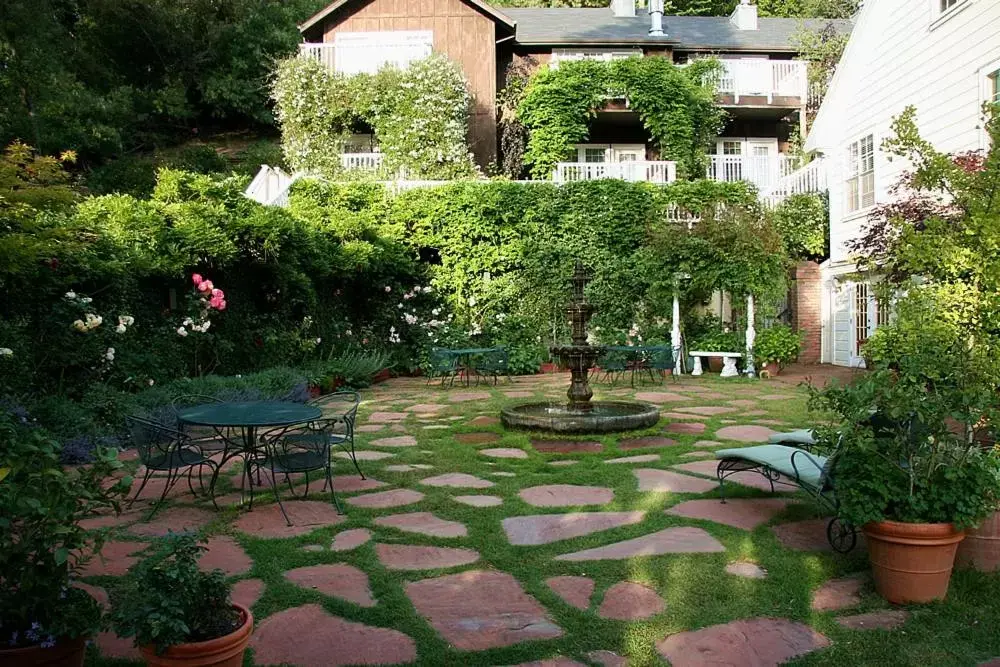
70,295
6,352
181,331
120,328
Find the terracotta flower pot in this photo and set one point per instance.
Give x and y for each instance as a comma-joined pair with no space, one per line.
980,549
69,653
382,376
912,562
224,651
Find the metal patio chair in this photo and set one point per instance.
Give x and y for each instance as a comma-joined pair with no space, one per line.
334,428
444,365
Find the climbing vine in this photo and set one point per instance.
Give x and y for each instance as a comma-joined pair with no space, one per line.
676,105
419,115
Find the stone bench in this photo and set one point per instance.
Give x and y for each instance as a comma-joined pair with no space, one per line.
728,362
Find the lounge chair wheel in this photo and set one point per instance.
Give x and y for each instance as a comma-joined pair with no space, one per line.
841,535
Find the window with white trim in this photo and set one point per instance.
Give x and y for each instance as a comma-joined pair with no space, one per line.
368,52
859,187
594,155
945,5
732,147
993,87
563,55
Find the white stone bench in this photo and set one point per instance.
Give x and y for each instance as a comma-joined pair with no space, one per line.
728,362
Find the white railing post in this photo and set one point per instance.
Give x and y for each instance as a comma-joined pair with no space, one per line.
636,171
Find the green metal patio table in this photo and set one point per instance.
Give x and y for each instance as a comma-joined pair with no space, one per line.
245,418
468,353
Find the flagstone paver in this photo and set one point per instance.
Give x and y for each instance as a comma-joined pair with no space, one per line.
647,442
518,394
174,519
563,462
706,411
566,446
387,417
384,499
436,427
108,643
566,495
395,441
354,483
350,539
478,501
538,529
412,557
753,413
708,443
776,397
464,396
745,433
742,403
699,454
683,539
628,601
745,513
837,594
408,467
307,636
685,428
223,553
641,458
574,591
306,515
752,479
746,569
369,428
247,592
423,523
890,619
504,453
425,408
363,455
481,609
476,438
458,480
337,580
660,397
665,481
503,474
754,642
115,558
808,535
558,661
484,420
607,659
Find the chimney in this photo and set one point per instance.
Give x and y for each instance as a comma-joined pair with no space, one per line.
656,18
744,16
623,8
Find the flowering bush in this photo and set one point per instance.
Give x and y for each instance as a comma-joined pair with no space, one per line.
205,298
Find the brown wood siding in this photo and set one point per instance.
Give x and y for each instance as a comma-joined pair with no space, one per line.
461,33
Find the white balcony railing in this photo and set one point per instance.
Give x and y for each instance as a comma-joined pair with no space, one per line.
369,161
763,78
811,178
324,52
646,171
764,171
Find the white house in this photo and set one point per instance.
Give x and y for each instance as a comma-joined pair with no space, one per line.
941,56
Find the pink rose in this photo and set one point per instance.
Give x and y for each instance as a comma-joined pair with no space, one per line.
222,305
205,286
218,293
196,279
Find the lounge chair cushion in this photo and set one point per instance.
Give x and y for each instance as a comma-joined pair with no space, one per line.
803,436
779,457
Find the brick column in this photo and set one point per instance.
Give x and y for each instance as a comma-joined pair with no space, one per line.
807,310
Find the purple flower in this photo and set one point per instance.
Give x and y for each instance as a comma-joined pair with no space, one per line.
48,643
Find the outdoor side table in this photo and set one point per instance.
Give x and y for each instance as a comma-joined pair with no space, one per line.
246,417
468,353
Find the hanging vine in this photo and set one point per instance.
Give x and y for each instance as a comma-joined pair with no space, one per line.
676,105
420,116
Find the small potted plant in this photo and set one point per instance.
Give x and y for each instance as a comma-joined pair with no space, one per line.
44,619
775,347
904,473
178,614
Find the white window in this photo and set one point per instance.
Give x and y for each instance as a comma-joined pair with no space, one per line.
993,87
943,10
563,55
369,51
594,154
859,188
732,147
945,5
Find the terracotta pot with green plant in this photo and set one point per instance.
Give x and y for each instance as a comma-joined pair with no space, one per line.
903,475
44,620
775,347
179,615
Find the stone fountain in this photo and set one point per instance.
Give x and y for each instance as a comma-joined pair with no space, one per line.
580,415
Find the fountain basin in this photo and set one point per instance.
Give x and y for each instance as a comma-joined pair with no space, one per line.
601,417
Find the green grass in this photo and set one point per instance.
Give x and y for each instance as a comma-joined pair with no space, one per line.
698,593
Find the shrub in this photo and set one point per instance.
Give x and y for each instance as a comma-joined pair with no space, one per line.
778,345
803,222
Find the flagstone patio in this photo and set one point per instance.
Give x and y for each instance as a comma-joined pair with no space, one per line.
481,546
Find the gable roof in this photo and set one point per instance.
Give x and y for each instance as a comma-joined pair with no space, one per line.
572,26
492,12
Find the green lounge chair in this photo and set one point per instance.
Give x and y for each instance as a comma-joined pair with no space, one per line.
793,466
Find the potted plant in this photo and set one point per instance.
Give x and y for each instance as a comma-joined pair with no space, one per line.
775,347
178,614
44,620
903,473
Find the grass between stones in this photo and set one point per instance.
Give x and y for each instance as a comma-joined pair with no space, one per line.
695,587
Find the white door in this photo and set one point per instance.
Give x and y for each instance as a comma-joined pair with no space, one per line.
762,162
628,159
864,320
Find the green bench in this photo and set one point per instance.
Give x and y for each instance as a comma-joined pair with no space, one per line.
792,466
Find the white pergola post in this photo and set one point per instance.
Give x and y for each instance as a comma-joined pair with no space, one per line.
675,332
751,337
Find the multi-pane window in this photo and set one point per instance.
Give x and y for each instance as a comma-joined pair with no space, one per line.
559,55
594,155
883,309
860,316
948,4
732,147
860,184
993,93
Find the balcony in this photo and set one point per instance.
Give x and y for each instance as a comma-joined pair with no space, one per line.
764,171
357,52
323,52
778,82
357,161
636,171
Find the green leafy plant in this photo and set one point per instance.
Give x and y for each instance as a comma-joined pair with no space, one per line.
777,345
165,599
41,541
802,221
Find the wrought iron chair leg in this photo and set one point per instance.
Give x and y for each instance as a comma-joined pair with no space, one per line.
145,479
722,482
333,491
354,459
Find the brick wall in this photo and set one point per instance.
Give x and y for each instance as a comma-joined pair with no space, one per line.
807,310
